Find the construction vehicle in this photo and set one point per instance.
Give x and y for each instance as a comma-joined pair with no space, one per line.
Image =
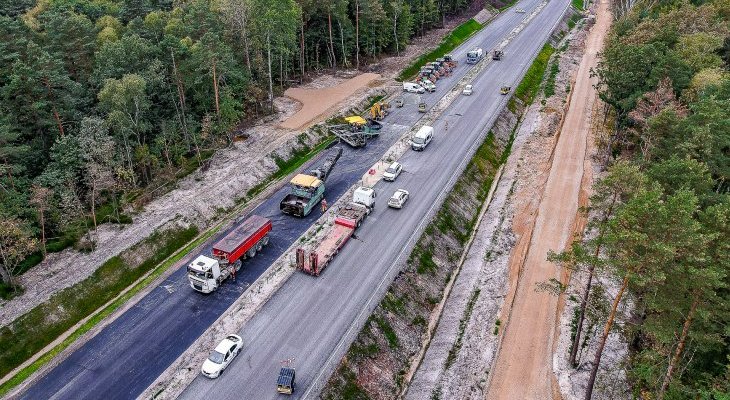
285,381
474,56
379,110
449,59
206,274
422,106
505,89
347,219
497,55
399,102
307,190
357,130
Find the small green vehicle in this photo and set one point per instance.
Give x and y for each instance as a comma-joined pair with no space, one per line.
422,107
505,89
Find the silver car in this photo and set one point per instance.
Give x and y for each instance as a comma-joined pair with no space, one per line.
398,199
392,172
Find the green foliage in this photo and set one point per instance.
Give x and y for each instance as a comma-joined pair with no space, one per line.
34,330
530,84
662,72
448,43
577,4
549,88
390,336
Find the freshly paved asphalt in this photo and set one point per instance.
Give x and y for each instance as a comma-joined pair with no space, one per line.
309,319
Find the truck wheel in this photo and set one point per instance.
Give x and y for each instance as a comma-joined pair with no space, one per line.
251,253
265,240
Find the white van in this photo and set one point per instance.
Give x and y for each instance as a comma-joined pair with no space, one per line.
422,138
412,87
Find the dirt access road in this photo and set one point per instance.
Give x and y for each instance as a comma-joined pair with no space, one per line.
523,368
316,102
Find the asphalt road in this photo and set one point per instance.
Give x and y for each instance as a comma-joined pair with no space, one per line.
313,320
307,318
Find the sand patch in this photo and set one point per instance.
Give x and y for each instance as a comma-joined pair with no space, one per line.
316,102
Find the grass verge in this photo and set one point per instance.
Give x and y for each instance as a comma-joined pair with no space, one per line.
458,36
530,84
36,329
397,327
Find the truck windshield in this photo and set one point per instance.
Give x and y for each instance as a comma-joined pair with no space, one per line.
200,274
417,140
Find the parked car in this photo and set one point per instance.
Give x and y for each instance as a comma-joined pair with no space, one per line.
520,10
392,172
468,90
222,356
505,89
398,199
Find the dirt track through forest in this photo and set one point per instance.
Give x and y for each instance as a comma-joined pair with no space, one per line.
523,368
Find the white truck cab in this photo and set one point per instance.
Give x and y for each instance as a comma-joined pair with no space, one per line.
365,196
205,274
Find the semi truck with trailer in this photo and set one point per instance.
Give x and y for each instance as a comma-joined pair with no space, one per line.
207,273
348,218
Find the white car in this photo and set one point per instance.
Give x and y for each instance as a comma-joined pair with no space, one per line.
392,172
520,10
398,199
468,90
223,354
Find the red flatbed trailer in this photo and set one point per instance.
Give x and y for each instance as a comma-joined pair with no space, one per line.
347,220
250,234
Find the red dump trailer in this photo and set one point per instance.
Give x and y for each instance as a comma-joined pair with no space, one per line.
244,241
347,220
206,274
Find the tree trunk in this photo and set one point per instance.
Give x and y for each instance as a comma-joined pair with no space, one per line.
680,347
395,29
357,34
342,42
215,89
271,81
93,202
604,338
56,116
332,42
301,53
586,293
581,318
43,232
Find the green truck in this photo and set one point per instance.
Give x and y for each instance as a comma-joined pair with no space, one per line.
307,190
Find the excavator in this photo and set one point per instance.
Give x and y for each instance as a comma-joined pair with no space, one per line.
379,110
